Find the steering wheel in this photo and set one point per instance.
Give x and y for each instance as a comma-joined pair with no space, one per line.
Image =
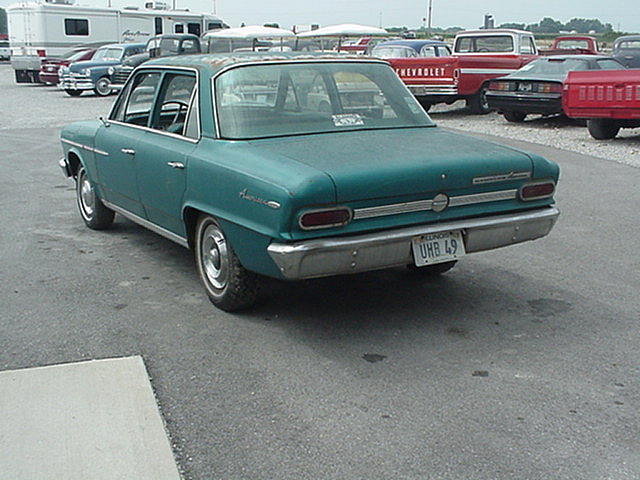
180,104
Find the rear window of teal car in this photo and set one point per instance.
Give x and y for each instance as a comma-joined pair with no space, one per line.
271,100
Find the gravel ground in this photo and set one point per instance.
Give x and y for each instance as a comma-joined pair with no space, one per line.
37,106
559,132
49,107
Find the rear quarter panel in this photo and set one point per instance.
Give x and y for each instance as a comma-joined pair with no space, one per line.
421,71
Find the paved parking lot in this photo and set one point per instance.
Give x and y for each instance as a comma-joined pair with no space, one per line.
519,364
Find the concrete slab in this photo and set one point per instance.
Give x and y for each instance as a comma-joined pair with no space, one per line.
91,420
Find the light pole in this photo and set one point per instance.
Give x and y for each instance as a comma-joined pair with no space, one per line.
429,12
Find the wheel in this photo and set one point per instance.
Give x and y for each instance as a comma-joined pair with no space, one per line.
102,87
479,104
95,215
424,103
74,93
603,128
514,117
229,285
437,269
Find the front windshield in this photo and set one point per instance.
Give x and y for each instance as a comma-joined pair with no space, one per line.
305,98
108,54
546,66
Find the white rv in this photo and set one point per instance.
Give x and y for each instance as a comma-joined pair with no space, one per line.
52,27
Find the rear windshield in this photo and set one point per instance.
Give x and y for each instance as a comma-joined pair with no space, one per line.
77,56
610,64
484,44
393,51
555,66
573,44
305,98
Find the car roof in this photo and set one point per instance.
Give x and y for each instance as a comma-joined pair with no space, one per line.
216,62
415,44
627,37
178,36
126,46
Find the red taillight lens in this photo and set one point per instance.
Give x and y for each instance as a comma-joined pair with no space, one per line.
550,88
325,218
41,53
499,86
536,191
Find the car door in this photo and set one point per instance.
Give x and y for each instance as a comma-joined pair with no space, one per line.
162,155
119,140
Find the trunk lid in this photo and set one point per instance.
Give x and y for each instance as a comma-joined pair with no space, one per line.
408,163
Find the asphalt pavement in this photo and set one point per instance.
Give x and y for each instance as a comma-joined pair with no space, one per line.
522,363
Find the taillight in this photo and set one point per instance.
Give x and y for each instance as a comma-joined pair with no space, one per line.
41,53
500,86
326,218
537,190
550,88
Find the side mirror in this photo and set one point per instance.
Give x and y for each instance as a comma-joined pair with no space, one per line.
104,122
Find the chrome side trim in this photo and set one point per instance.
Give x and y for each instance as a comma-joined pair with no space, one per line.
503,177
464,200
426,205
407,207
84,147
488,71
147,224
373,251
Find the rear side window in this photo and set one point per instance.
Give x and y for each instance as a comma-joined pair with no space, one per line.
77,27
143,93
174,101
527,47
428,51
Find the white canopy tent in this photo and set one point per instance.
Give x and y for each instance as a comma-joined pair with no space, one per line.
344,30
251,33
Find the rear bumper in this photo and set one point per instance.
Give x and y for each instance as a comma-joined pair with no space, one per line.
545,105
438,90
374,251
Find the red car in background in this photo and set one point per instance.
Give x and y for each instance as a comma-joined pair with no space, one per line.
50,66
608,100
355,46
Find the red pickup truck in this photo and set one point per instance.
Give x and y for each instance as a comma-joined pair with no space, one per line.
478,56
609,100
572,45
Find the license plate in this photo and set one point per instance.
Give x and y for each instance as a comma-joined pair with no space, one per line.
437,248
525,87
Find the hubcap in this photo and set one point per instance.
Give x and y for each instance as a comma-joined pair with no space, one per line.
215,257
87,196
103,87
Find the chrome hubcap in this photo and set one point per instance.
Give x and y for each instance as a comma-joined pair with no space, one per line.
103,87
87,196
215,257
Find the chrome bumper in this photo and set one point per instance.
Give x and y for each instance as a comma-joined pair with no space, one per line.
422,90
391,248
76,83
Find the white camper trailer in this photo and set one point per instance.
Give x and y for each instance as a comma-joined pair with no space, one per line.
52,27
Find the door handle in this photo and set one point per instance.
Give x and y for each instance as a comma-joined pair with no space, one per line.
179,165
128,151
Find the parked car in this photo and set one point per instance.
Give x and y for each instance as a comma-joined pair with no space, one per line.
608,101
537,87
49,71
627,50
354,46
572,45
94,74
411,49
158,46
5,51
478,57
263,182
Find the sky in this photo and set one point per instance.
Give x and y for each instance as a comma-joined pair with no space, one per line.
462,13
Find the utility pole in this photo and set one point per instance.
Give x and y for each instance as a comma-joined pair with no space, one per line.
215,10
429,12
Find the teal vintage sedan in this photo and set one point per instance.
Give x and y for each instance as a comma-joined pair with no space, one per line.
272,166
